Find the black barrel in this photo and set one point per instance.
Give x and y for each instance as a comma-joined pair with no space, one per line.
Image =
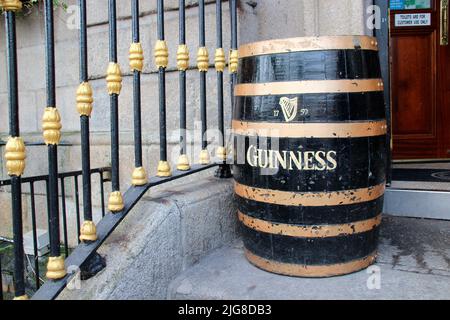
310,154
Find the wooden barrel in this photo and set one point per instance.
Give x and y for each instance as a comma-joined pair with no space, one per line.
310,154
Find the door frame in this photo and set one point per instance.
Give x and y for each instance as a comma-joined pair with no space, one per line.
382,36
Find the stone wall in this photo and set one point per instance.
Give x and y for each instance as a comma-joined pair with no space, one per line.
258,20
271,19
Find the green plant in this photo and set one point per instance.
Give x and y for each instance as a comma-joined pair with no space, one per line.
28,6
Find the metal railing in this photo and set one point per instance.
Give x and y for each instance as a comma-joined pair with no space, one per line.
91,236
71,177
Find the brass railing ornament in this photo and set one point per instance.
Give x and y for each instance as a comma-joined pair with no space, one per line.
203,59
114,78
84,99
220,60
11,5
15,156
161,54
51,126
234,60
183,57
136,57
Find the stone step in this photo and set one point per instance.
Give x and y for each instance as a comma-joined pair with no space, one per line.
169,230
413,263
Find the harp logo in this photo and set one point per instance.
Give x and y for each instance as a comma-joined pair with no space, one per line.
289,107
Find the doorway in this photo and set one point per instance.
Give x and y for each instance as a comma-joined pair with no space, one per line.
420,79
415,61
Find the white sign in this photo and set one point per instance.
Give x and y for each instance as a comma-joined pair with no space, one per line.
412,19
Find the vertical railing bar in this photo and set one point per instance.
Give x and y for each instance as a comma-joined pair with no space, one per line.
84,106
1,279
234,44
201,21
15,147
52,135
233,59
219,66
114,83
77,207
64,216
47,190
161,61
102,194
19,267
83,41
219,41
112,31
139,176
203,66
35,240
224,170
183,65
137,89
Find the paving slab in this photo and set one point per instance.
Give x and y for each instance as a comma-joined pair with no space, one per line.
413,263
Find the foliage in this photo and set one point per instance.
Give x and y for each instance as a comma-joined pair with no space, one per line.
28,6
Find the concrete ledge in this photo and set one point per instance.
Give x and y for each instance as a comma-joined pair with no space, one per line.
166,233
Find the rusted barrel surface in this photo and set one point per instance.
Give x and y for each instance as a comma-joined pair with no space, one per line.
310,154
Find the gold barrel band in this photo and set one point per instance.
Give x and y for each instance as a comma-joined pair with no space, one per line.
313,271
308,87
304,231
309,199
308,44
310,130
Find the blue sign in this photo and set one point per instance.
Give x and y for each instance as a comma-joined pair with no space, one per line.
397,4
410,4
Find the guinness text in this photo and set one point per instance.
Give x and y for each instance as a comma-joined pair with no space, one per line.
292,160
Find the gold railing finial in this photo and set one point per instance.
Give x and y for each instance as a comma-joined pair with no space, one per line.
164,169
139,177
11,5
115,201
221,153
88,231
84,99
183,57
220,60
202,59
114,78
56,268
204,157
183,163
51,126
15,156
136,57
234,60
161,54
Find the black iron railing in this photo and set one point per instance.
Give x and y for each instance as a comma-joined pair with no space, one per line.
91,236
30,184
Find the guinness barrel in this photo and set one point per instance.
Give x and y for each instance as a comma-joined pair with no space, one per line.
310,154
